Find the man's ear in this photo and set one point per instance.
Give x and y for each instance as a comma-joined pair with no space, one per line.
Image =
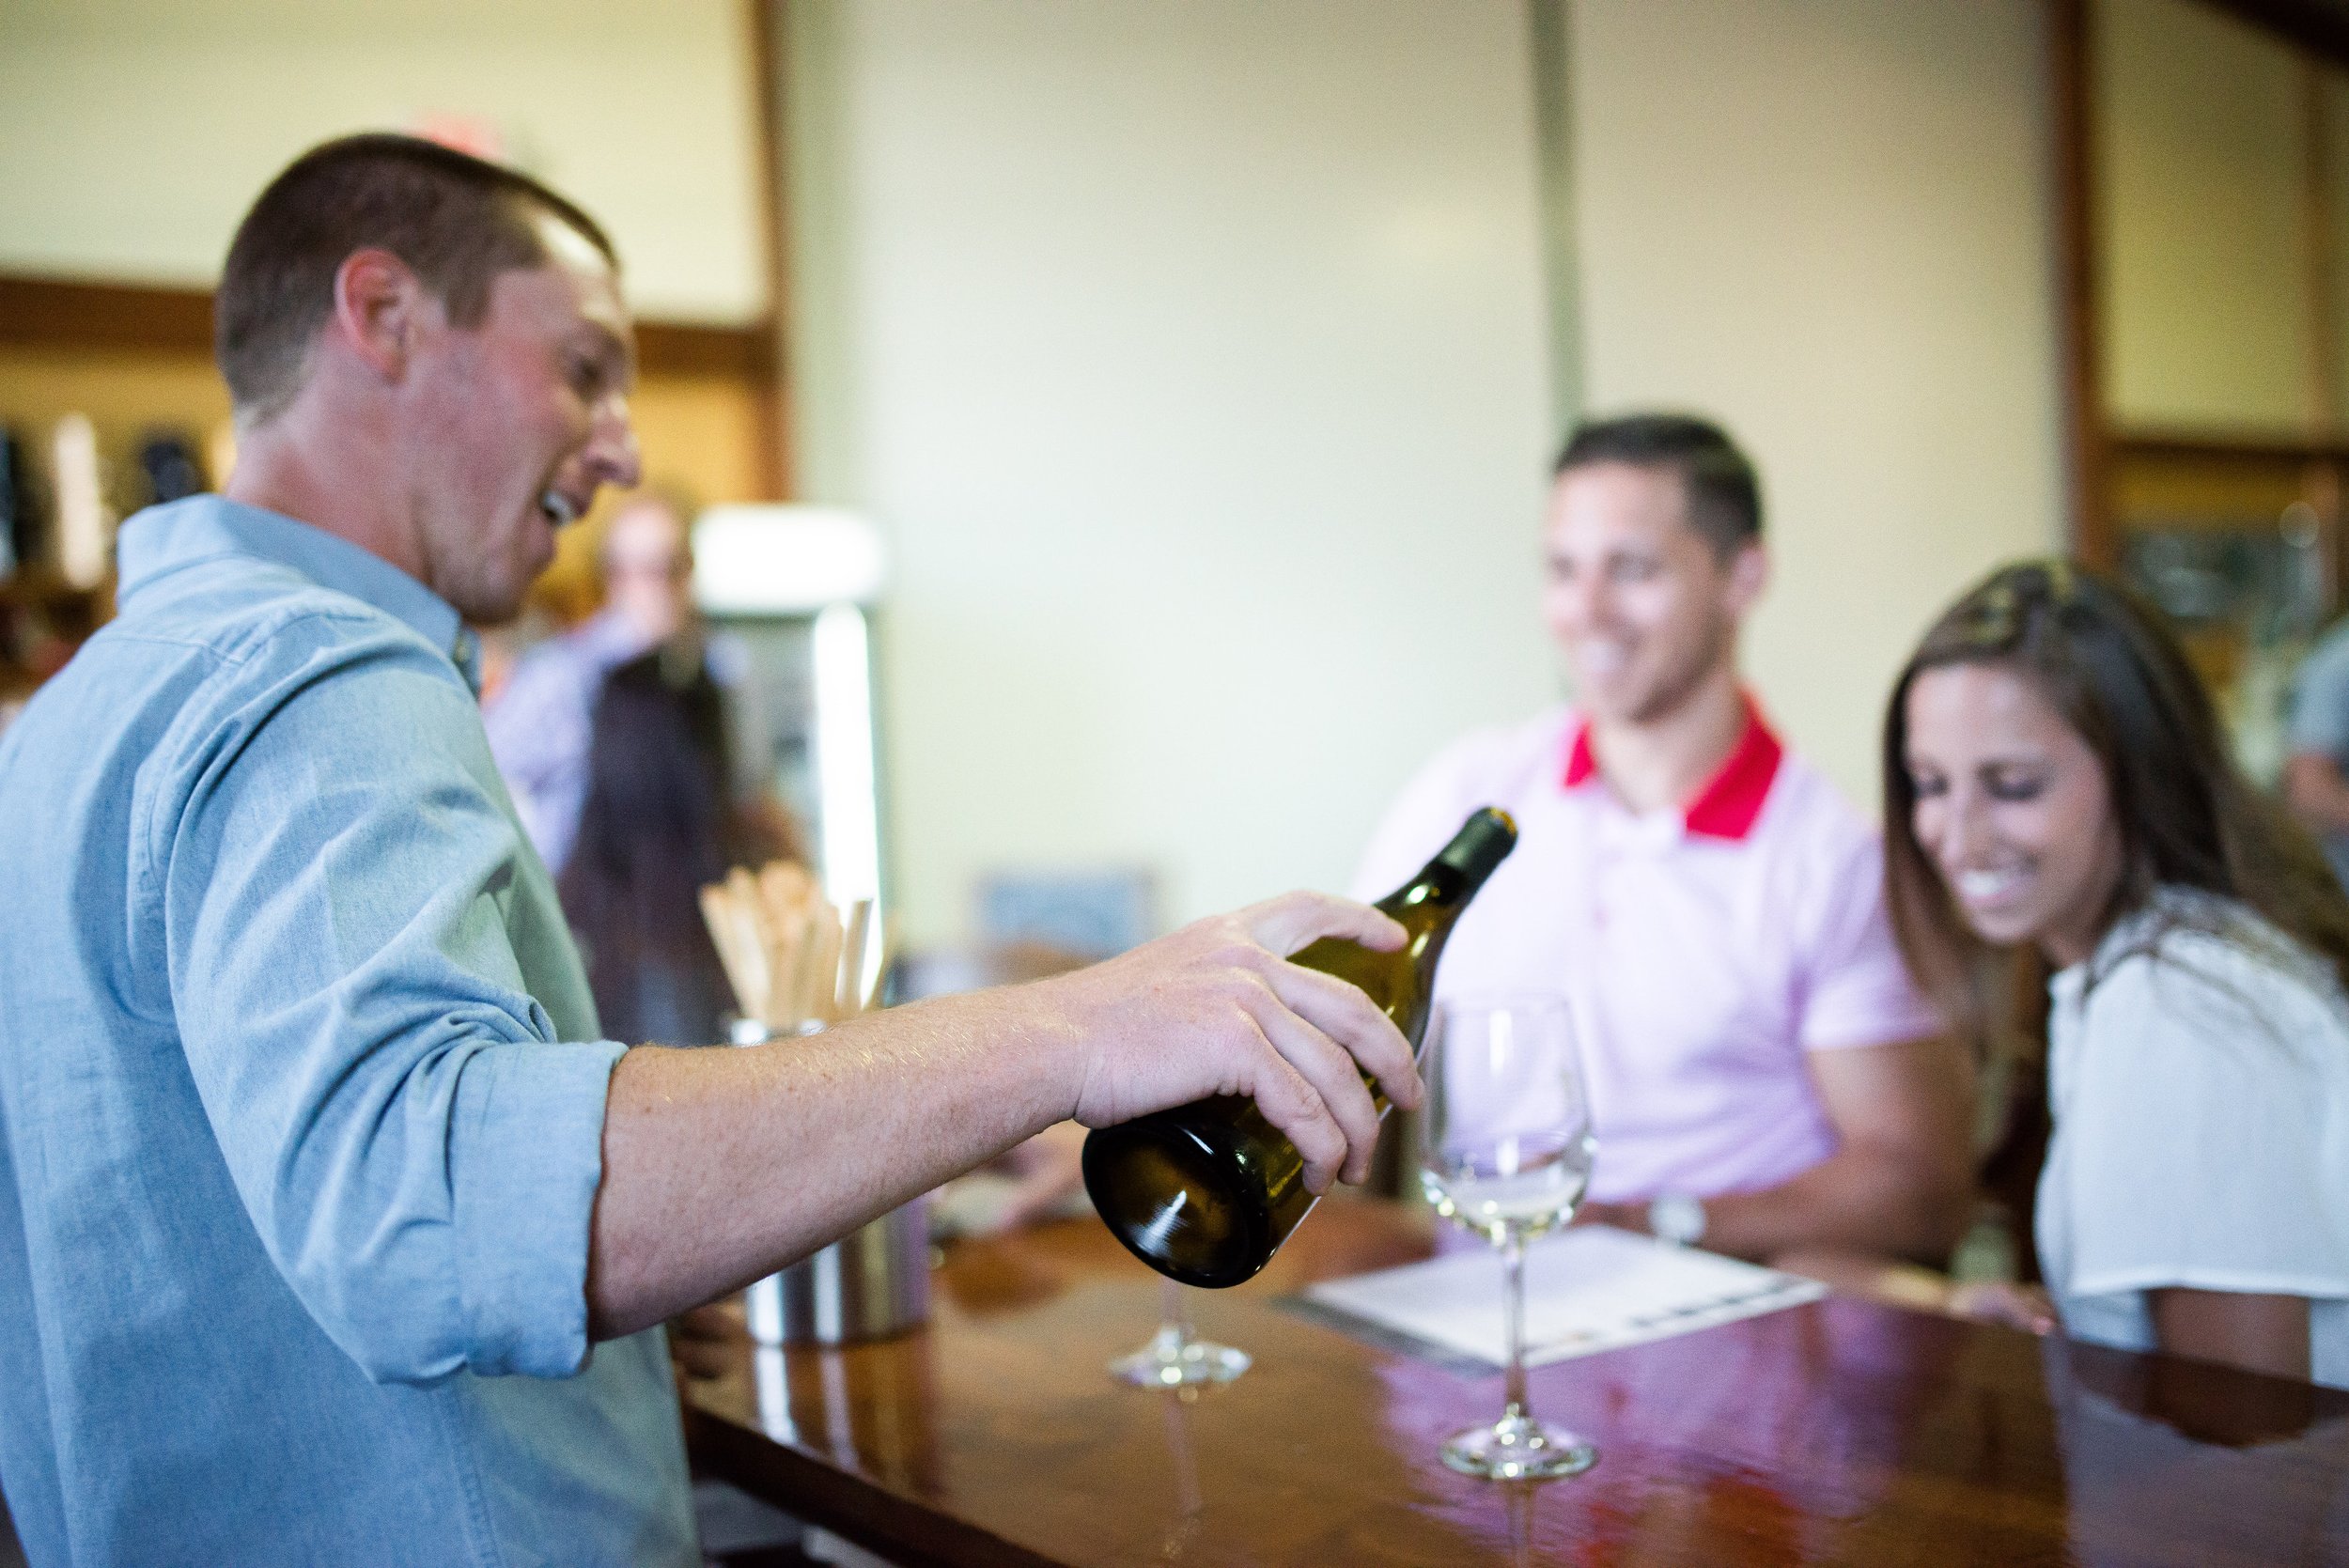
1749,574
380,305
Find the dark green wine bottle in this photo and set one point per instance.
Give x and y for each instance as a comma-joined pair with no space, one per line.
1207,1193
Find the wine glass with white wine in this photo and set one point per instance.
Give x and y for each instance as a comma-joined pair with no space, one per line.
1508,1154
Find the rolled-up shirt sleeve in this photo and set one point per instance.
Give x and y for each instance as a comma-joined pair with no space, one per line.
418,1152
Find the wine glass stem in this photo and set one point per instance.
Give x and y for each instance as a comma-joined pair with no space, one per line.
1512,1256
1173,1313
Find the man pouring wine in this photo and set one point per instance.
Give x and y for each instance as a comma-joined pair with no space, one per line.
332,1229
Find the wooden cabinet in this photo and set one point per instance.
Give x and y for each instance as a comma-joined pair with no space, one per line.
2203,168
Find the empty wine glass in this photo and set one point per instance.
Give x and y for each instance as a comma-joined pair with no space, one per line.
1174,1356
1507,1154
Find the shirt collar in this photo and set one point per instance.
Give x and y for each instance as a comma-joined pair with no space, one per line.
161,539
1731,802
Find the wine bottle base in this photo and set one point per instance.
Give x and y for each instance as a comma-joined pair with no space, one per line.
1180,1200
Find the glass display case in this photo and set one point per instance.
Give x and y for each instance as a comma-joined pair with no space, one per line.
2241,554
790,593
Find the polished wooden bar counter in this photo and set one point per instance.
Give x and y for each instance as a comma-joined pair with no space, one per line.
1840,1432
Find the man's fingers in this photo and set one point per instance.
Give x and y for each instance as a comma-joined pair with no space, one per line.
1292,1104
1346,1016
1288,923
1325,1066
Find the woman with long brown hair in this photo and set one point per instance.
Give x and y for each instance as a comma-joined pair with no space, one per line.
2055,777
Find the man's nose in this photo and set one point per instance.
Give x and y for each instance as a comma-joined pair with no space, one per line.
611,455
1584,600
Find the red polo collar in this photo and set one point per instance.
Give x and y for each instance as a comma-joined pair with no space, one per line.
1729,804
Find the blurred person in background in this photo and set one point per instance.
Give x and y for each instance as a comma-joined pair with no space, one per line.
617,740
333,1227
2316,763
1763,1079
661,817
2055,775
541,718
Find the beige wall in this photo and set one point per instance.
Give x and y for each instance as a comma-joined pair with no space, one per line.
1191,354
1825,221
135,132
2201,133
1194,353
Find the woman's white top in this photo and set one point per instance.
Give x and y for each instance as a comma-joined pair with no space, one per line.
2197,1074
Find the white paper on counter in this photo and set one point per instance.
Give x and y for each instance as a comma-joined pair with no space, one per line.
1589,1289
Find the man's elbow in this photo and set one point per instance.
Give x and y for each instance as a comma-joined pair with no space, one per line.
2314,790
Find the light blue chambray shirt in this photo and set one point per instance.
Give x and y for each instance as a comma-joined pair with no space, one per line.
300,1098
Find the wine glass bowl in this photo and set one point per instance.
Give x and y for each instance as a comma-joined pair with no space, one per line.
1525,1187
1507,1155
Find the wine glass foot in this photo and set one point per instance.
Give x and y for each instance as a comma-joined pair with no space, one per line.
1170,1363
1519,1448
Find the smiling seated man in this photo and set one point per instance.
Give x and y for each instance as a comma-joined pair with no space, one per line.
1763,1079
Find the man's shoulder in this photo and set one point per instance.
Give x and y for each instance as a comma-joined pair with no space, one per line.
218,644
1503,760
240,610
1499,764
1808,809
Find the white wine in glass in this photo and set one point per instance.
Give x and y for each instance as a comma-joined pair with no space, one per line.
1507,1155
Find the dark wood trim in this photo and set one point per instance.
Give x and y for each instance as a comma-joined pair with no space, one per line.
692,349
54,313
62,313
2220,447
2321,28
2079,328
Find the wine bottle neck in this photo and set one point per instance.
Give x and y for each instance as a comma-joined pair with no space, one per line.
1481,845
1438,886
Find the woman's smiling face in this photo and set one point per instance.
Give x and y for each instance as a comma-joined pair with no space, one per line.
2013,807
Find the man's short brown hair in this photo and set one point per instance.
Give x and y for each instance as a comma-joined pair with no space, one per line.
1724,493
458,221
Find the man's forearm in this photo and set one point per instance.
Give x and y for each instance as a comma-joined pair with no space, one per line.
2317,792
722,1165
1861,1199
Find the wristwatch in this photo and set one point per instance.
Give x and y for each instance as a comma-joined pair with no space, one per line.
1677,1218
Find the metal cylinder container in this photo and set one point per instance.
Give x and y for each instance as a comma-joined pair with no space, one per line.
873,1284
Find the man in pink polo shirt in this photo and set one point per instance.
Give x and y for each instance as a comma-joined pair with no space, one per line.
1764,1078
